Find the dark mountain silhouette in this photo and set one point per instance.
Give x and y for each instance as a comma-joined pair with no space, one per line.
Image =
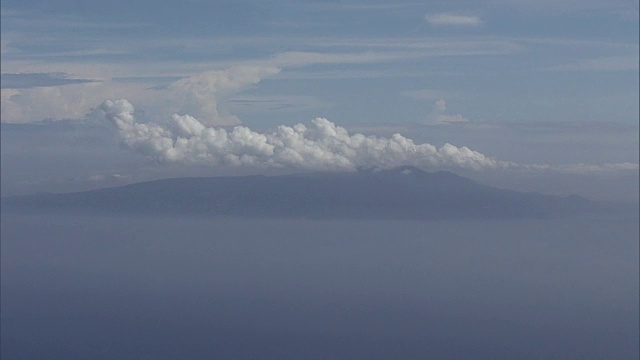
400,193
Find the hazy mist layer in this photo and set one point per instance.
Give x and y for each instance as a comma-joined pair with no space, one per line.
166,288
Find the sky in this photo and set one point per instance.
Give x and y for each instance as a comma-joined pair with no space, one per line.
530,95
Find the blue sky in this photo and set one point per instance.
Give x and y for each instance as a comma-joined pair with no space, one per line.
551,83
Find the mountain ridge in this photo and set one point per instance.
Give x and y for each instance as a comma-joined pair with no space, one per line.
404,192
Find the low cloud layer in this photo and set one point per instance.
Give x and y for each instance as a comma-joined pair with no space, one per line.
320,146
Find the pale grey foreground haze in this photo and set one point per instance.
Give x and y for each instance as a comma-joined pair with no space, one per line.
126,287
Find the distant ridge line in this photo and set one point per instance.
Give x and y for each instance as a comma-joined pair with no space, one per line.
404,192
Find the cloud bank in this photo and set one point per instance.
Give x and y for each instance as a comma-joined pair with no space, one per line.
321,146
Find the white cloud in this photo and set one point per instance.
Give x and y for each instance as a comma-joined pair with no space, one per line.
440,117
446,19
59,102
322,146
199,94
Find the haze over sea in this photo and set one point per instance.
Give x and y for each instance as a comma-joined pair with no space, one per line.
127,287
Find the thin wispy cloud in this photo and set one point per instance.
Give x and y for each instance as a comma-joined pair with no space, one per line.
31,80
423,94
281,103
455,20
302,58
446,119
616,63
587,8
378,6
583,169
198,94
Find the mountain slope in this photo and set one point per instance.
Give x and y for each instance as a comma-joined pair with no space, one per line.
400,193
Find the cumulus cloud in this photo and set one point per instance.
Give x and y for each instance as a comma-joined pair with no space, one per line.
440,117
199,94
446,19
320,146
30,100
52,102
71,101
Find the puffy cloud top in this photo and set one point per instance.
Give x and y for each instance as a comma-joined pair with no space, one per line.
321,146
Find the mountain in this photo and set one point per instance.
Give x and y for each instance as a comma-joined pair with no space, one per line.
400,193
